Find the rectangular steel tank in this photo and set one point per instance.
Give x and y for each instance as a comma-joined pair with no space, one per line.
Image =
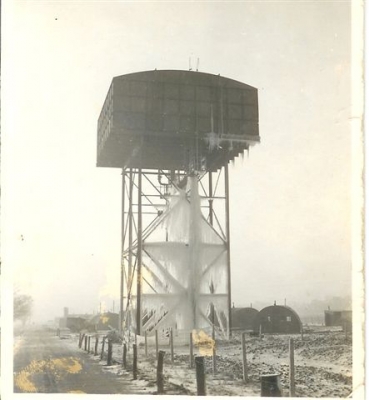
167,119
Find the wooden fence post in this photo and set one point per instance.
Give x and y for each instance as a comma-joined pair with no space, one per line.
200,375
244,358
110,351
292,368
191,350
159,372
89,344
124,356
214,355
145,343
157,344
171,346
81,340
134,361
96,344
102,348
85,343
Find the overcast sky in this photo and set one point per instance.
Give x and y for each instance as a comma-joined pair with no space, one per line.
290,200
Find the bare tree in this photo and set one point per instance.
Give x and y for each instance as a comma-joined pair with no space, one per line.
22,307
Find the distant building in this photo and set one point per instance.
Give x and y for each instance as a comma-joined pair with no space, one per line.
243,318
338,318
277,319
74,322
103,322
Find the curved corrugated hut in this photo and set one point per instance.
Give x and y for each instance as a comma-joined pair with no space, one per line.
277,319
243,318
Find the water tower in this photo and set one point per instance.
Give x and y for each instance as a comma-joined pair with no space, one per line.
173,134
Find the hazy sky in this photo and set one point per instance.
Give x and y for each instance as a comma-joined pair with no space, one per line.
290,200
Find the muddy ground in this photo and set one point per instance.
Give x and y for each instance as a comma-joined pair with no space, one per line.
323,365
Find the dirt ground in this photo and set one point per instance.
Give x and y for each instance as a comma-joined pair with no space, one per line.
323,365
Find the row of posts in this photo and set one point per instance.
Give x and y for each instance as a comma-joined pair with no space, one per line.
85,341
270,386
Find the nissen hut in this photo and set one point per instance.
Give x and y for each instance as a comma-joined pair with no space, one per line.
243,318
277,319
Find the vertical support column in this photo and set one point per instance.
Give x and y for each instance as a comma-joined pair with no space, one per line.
226,184
130,242
139,252
120,330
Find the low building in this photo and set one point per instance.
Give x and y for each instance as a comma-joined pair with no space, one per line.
74,322
277,319
338,318
243,318
104,322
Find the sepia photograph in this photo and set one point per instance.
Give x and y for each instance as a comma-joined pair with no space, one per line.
182,198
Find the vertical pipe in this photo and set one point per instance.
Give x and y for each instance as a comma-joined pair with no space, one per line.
244,358
210,198
139,252
226,184
121,257
212,306
292,368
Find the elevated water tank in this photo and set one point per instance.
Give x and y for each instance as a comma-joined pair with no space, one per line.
167,119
